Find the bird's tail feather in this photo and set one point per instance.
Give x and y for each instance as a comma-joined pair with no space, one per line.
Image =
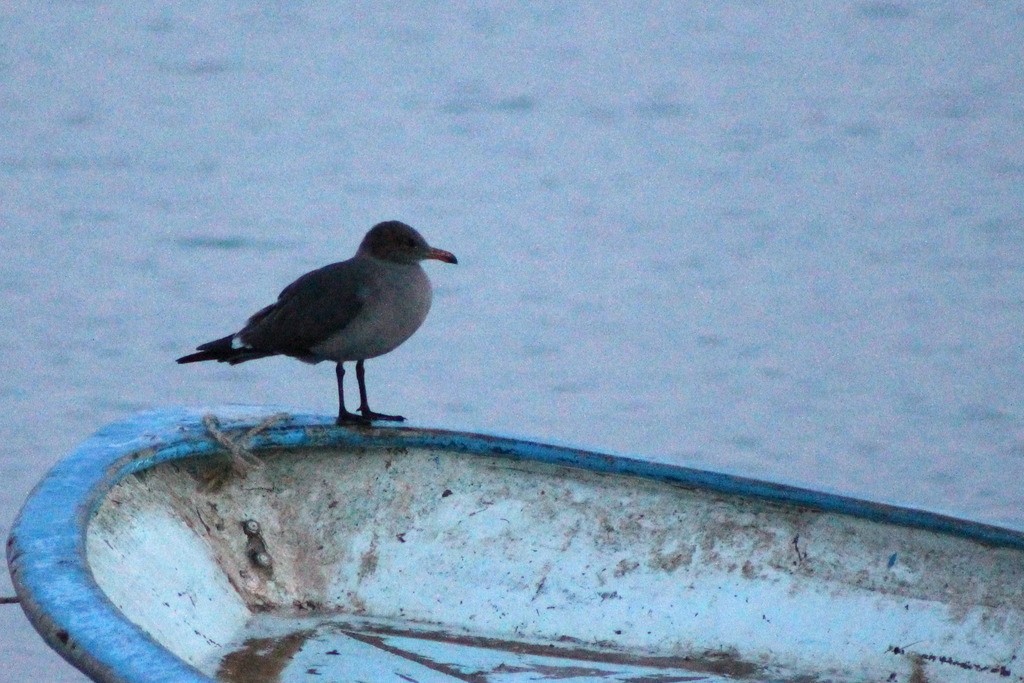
223,350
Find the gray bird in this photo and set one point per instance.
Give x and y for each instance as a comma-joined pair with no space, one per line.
349,311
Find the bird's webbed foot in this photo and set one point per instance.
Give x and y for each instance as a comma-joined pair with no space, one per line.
369,415
347,418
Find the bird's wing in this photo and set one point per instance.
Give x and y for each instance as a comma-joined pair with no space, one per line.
309,310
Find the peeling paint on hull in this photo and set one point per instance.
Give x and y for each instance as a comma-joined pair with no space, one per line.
407,554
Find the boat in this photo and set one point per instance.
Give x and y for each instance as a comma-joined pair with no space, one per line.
238,544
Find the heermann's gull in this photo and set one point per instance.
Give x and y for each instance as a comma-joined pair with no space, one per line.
353,310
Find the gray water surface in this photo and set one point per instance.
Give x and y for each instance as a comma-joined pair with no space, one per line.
781,240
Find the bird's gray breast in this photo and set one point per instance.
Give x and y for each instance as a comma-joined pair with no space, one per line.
396,299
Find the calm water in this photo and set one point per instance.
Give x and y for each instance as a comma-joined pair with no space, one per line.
783,242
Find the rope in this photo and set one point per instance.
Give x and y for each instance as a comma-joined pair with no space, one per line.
242,460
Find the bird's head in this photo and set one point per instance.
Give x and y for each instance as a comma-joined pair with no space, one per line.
397,242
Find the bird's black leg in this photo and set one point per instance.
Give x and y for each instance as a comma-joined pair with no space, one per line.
364,407
345,417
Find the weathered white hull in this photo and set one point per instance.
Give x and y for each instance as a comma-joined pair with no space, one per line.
404,554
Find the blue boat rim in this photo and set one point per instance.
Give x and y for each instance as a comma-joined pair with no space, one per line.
46,549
